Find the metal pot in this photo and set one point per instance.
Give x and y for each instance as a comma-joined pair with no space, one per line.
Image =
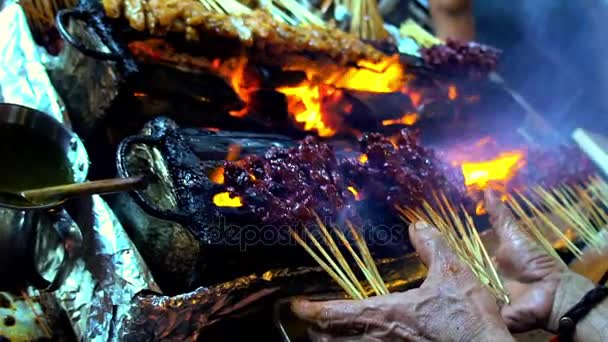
39,243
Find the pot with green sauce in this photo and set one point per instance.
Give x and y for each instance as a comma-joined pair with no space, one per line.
39,242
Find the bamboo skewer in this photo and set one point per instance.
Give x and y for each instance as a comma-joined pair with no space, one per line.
567,213
226,6
366,272
367,256
366,21
580,207
549,223
463,239
329,241
340,270
288,11
530,227
354,292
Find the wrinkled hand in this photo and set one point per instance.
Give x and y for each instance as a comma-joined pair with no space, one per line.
451,305
542,289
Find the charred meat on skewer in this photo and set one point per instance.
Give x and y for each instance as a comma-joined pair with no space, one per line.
399,170
257,30
461,59
284,184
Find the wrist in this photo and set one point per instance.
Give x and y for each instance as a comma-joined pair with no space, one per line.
593,327
572,288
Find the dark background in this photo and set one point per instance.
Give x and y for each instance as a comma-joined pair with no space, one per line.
555,54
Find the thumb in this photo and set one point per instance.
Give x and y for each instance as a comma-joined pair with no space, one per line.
432,248
518,255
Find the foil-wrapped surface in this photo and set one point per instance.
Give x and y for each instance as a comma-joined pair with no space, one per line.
193,314
111,272
23,78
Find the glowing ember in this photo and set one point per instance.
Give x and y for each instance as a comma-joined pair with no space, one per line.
234,152
363,158
304,103
414,96
217,175
223,199
480,209
408,119
355,193
452,92
500,169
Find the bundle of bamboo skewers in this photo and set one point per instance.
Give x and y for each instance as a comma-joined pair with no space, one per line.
336,264
578,208
366,21
458,229
288,11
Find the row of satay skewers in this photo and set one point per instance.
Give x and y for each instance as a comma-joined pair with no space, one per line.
580,209
365,19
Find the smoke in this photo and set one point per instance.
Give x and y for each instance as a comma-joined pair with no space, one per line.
554,55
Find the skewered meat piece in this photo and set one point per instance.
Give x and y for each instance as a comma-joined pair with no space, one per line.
399,170
463,59
281,186
284,184
257,30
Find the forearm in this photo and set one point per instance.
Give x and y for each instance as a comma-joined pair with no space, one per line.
594,326
453,19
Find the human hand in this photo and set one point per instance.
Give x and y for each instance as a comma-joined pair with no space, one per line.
542,289
451,305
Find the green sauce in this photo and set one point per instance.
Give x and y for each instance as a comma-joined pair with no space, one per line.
30,160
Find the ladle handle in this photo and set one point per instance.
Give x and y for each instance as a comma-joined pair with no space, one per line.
105,186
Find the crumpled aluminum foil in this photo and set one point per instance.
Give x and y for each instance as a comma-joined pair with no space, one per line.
110,275
23,78
111,272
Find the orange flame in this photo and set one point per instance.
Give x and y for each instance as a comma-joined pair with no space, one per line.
304,103
234,70
480,209
363,158
355,193
452,92
223,199
217,175
313,102
498,170
386,76
408,119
